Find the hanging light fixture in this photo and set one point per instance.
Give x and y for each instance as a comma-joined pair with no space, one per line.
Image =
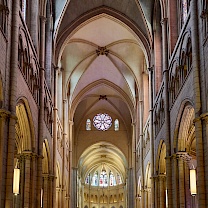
16,181
193,182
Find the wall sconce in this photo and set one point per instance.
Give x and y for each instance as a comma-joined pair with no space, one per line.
16,181
193,182
41,198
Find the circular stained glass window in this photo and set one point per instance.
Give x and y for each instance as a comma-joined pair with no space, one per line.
102,121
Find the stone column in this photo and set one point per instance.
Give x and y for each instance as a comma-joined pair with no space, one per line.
4,115
33,21
155,196
145,198
12,79
141,150
134,175
131,197
55,129
26,161
64,145
175,179
167,113
169,183
34,179
82,195
198,105
71,123
152,143
181,183
162,185
48,47
74,188
51,180
45,190
205,125
41,110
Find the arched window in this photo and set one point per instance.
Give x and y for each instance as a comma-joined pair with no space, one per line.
88,124
95,179
87,180
116,125
23,7
118,179
103,179
184,10
4,11
112,179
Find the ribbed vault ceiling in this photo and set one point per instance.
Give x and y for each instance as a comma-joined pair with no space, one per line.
101,154
104,57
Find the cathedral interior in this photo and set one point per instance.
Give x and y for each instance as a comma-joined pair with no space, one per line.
103,104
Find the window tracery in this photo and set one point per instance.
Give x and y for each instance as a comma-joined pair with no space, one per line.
102,121
116,125
23,7
88,124
180,71
184,9
104,179
4,11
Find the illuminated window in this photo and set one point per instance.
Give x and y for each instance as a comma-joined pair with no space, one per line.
87,180
184,8
23,6
112,179
88,124
103,179
102,121
95,179
116,125
118,179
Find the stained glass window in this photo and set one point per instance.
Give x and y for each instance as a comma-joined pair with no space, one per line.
103,179
95,179
87,180
116,125
184,8
102,121
88,124
112,179
23,7
118,179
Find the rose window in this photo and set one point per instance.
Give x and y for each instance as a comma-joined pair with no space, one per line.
102,121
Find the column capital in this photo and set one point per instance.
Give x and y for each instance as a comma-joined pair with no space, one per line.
162,177
4,113
185,157
64,100
42,69
204,14
71,122
151,68
164,20
26,155
43,18
133,123
204,117
4,8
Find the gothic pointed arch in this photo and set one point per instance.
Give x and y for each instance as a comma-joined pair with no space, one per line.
46,158
62,38
25,135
